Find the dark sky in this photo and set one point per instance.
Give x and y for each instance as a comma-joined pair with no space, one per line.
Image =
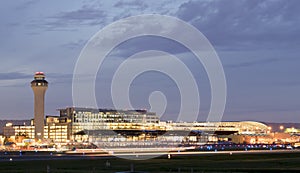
257,43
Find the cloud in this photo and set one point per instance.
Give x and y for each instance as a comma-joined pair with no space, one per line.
245,24
124,14
237,26
143,43
14,76
26,4
83,14
21,79
252,63
14,79
133,4
75,44
63,21
58,78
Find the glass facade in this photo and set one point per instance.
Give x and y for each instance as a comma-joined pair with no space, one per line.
86,119
112,126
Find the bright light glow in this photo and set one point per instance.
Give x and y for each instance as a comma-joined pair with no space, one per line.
39,73
281,127
270,128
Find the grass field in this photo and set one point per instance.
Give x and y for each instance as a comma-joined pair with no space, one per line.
273,162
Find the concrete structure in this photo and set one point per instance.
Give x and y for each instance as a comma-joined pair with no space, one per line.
53,130
106,125
123,127
117,126
39,86
73,123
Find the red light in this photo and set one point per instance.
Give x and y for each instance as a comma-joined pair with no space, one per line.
39,73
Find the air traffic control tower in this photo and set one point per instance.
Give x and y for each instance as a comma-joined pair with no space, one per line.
39,86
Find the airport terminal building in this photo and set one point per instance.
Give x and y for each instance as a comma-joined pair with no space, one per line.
106,125
74,124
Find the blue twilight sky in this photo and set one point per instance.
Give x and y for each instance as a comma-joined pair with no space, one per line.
258,43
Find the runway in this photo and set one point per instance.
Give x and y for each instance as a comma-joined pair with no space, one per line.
133,155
